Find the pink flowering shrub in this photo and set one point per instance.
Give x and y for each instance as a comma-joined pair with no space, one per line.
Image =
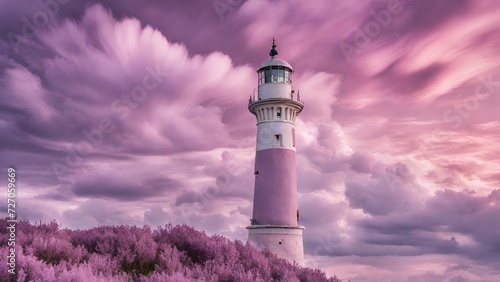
129,253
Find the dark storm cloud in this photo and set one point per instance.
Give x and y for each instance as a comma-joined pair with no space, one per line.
463,216
186,197
114,186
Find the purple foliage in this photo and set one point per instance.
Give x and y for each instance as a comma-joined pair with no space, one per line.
130,253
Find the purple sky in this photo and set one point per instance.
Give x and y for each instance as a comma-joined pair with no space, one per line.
132,112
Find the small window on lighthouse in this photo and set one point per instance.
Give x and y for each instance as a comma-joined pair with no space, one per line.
275,75
277,140
287,76
267,74
278,112
284,75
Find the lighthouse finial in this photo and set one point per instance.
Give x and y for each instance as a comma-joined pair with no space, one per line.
273,52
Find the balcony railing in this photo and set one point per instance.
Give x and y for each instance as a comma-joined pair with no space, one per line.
293,95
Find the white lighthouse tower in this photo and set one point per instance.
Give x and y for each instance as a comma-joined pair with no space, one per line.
275,221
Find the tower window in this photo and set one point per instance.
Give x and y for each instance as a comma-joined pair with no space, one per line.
277,140
293,137
278,112
267,76
275,75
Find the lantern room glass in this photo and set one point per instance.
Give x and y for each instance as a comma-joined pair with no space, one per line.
274,74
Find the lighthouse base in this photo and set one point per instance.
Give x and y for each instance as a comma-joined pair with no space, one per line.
284,241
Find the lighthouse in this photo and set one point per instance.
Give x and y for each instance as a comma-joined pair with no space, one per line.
275,219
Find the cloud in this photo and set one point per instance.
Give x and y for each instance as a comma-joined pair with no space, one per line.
185,197
393,191
449,222
109,186
97,212
156,216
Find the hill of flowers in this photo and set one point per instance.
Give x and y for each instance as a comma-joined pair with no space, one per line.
45,252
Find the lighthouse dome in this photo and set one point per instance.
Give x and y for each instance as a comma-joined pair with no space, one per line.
275,62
